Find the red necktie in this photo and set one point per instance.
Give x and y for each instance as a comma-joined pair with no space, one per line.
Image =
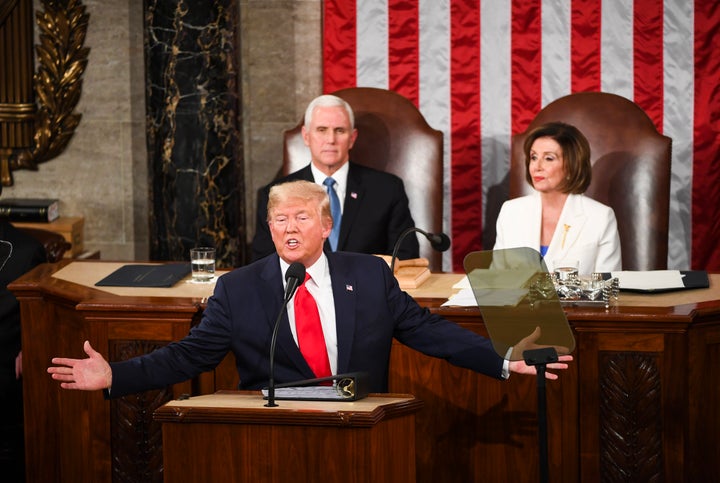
309,331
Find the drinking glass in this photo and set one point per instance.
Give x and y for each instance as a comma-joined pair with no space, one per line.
202,260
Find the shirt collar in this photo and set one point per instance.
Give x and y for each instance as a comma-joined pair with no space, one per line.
318,270
340,177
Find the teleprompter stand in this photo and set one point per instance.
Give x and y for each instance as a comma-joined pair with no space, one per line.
522,312
540,358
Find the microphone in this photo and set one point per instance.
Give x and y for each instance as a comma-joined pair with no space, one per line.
439,242
294,276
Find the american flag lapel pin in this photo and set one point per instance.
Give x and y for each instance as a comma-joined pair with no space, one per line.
348,287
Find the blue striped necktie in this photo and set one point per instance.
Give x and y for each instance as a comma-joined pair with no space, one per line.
334,211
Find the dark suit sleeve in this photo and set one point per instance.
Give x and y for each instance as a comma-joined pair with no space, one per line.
401,220
262,244
435,336
200,351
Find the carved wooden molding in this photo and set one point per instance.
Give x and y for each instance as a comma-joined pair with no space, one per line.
137,454
630,418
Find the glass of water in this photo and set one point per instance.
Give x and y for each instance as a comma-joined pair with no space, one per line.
202,260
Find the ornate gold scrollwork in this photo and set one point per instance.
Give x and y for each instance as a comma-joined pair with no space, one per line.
61,62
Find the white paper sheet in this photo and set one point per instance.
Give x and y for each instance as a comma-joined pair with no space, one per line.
649,279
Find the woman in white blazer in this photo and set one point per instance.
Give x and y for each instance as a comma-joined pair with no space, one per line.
557,219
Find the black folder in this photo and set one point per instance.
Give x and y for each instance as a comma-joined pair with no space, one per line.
163,275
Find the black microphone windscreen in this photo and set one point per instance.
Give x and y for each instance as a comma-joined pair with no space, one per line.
296,270
440,241
294,276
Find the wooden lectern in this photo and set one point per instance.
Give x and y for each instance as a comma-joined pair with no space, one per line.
231,436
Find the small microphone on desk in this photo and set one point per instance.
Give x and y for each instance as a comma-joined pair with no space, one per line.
439,242
294,276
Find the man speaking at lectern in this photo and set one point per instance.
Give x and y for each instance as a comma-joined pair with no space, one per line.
359,303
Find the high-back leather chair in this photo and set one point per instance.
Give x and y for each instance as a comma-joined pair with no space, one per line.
631,169
393,136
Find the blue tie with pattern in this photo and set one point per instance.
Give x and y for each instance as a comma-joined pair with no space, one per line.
335,211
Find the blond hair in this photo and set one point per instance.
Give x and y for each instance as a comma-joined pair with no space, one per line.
302,190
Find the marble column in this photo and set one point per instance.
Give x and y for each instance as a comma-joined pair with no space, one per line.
194,129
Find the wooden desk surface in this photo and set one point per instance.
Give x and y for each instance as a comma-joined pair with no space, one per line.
244,400
89,273
250,407
438,287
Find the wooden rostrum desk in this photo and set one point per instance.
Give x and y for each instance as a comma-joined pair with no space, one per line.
233,437
640,402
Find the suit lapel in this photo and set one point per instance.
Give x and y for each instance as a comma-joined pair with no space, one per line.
354,194
569,227
344,290
534,226
306,174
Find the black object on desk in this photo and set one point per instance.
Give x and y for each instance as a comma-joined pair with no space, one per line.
163,275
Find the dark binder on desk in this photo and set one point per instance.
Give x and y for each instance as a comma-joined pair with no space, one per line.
164,275
352,386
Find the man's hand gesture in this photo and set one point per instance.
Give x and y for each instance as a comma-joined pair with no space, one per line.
86,374
517,363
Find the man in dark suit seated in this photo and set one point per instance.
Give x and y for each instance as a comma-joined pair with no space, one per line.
25,253
372,209
358,309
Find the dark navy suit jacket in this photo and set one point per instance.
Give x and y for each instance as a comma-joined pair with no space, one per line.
375,213
370,311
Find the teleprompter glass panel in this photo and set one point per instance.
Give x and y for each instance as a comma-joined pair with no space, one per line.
518,301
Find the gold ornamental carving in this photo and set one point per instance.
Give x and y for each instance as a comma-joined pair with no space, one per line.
57,84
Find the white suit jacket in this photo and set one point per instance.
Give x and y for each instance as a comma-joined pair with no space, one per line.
586,232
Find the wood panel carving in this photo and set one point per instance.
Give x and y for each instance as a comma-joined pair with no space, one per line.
630,418
138,454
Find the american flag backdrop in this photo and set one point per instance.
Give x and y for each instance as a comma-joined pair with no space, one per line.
481,70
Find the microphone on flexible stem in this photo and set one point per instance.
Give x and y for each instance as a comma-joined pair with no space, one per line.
294,276
439,241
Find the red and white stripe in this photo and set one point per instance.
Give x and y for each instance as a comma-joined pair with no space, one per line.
481,70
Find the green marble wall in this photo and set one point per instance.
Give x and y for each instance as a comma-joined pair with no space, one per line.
194,129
